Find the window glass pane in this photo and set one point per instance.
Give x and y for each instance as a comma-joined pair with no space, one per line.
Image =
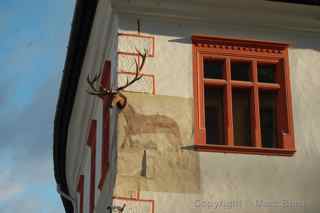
240,71
214,112
268,118
241,117
266,73
213,68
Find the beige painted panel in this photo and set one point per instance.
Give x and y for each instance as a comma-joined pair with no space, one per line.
153,139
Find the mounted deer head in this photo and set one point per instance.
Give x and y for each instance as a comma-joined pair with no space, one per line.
117,98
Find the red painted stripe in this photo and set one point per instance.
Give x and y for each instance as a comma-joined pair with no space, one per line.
106,82
105,146
105,79
80,190
92,143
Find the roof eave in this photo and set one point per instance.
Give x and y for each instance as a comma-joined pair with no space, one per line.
78,41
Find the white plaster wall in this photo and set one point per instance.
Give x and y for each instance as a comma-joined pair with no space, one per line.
86,166
85,171
104,199
242,179
102,46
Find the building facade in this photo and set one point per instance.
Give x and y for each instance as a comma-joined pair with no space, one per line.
224,118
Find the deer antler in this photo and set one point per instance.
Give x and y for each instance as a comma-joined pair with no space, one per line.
138,75
101,91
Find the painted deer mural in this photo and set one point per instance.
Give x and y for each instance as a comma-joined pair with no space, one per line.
139,124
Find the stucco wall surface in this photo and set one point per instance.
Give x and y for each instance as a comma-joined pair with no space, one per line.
102,46
152,164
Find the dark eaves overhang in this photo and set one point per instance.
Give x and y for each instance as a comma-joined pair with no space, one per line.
78,41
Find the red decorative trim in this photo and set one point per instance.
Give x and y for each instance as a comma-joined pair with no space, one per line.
128,54
228,104
244,150
238,48
196,94
105,145
106,82
255,115
239,44
146,75
139,36
106,75
92,143
289,140
230,49
80,190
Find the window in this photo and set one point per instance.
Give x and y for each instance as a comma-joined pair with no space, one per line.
242,96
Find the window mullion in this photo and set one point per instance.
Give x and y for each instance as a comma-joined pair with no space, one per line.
228,100
256,108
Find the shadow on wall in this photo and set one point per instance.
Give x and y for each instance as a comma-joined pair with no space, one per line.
182,31
150,154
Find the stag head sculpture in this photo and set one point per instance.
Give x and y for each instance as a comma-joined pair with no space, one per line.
117,98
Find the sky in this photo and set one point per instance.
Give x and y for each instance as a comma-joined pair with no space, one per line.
33,43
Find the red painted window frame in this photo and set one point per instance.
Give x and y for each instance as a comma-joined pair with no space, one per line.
254,51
